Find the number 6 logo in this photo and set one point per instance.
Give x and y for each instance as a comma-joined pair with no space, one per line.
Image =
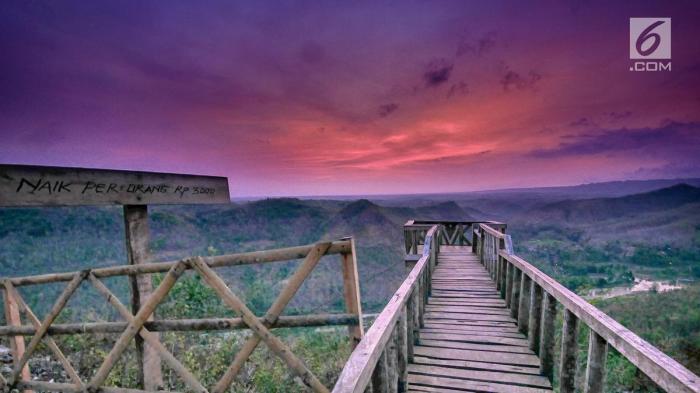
650,38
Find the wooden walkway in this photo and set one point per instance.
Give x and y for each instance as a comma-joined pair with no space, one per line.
469,342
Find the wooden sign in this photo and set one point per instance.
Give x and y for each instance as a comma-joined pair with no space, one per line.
24,185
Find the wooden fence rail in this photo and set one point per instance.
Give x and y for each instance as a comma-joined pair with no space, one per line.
141,324
532,297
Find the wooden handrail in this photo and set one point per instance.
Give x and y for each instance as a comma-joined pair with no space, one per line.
493,232
361,365
245,258
527,290
662,369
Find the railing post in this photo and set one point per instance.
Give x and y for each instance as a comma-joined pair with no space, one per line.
403,351
595,367
535,317
524,304
417,318
549,314
351,292
137,237
569,351
414,241
17,346
380,375
392,352
515,293
509,281
475,239
482,235
410,326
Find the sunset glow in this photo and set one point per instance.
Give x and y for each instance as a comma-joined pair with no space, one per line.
350,99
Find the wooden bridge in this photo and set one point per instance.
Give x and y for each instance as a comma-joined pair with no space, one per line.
473,317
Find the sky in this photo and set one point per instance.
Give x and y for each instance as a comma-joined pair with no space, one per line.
324,98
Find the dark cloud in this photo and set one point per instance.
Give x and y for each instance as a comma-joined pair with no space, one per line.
615,116
457,89
512,80
387,109
478,47
582,122
669,141
437,73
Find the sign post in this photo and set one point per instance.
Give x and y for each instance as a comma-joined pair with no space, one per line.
23,186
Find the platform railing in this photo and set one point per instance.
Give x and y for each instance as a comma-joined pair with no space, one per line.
380,360
532,297
138,323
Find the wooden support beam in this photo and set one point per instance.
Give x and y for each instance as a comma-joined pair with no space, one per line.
515,293
274,343
549,315
49,341
135,325
150,338
569,352
17,346
149,373
534,324
595,367
524,304
271,316
351,292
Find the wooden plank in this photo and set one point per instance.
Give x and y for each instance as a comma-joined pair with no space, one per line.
474,338
474,347
474,330
467,316
466,364
149,373
494,387
469,310
486,376
26,185
478,356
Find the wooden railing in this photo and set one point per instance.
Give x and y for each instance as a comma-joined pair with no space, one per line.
138,324
381,357
452,233
532,297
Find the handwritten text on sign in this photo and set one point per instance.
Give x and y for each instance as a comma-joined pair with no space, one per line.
44,186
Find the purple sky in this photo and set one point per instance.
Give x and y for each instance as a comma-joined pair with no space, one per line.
297,98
